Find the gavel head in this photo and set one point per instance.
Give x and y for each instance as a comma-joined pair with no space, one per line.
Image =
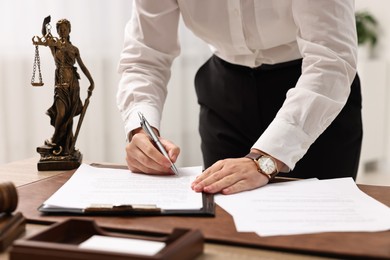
8,197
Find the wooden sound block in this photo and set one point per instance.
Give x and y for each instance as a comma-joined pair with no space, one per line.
11,227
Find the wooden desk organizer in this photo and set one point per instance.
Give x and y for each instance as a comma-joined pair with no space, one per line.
61,241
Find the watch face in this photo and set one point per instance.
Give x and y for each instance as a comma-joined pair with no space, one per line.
267,165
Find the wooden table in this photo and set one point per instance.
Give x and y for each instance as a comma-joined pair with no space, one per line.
25,172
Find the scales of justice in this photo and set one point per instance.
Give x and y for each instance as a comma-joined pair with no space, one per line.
59,152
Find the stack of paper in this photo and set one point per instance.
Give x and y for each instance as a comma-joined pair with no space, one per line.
307,206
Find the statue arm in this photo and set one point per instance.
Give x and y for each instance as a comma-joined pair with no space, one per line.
46,21
47,38
86,73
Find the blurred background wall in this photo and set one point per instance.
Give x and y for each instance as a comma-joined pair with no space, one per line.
374,72
97,30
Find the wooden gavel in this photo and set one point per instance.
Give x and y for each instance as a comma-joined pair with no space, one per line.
8,197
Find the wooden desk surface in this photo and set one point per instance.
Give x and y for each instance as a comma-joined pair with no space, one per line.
211,251
25,172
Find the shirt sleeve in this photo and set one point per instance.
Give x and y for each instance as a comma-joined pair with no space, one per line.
150,46
327,40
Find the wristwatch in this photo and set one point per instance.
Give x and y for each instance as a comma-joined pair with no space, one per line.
265,164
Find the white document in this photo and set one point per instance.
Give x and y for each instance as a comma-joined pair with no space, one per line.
122,245
307,206
91,186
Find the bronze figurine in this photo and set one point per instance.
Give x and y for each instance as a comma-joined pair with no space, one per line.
58,152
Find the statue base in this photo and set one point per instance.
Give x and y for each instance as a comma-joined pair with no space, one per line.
51,162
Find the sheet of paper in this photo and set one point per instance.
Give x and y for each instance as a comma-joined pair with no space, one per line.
90,185
123,245
301,207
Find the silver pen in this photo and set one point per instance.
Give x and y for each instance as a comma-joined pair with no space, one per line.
149,131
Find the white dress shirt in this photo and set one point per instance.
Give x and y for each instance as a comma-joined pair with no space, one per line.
250,33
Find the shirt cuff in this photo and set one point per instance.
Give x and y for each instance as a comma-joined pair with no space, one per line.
132,121
285,142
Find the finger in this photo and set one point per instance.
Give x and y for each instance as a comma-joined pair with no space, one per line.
243,185
172,149
153,158
133,164
206,174
212,178
237,182
234,176
139,167
223,183
143,156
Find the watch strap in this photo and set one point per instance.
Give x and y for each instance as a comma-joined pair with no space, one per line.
255,157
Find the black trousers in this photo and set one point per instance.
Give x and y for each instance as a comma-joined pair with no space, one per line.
234,113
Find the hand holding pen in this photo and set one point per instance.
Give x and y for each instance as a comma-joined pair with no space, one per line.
142,155
154,138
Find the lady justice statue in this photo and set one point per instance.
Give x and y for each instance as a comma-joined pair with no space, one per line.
58,152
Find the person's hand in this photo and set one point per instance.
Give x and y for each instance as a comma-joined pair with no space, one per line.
230,176
143,157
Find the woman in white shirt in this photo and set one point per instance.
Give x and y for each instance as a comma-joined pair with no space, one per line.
280,93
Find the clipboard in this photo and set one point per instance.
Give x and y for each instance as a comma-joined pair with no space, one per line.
62,241
208,210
